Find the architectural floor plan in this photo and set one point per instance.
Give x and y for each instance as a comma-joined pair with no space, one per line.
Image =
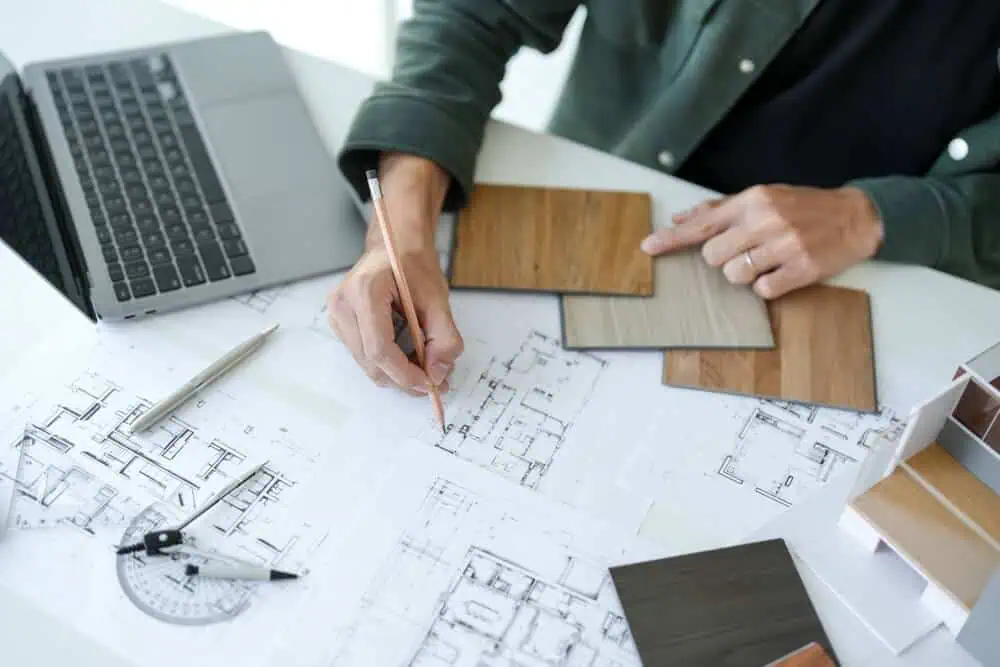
469,585
511,414
260,300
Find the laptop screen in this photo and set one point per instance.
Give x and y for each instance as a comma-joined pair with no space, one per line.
25,207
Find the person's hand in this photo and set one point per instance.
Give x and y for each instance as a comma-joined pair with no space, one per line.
360,310
777,237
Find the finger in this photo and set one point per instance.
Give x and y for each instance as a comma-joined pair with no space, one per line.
381,349
443,343
781,281
345,325
442,386
731,243
763,259
701,226
683,216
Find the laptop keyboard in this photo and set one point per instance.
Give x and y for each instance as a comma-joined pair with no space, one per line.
162,218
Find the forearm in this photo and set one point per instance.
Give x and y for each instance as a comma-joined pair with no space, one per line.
948,223
451,57
416,189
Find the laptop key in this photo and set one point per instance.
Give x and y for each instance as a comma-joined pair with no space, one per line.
142,287
126,237
182,247
177,232
157,257
153,241
103,236
115,272
197,218
215,261
166,277
191,204
142,206
204,235
170,215
164,198
234,249
121,291
109,254
147,223
131,254
242,265
121,221
190,270
136,270
221,212
137,192
228,232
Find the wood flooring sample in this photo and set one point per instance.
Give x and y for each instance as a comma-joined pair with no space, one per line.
924,531
824,354
812,655
694,307
939,471
553,240
739,606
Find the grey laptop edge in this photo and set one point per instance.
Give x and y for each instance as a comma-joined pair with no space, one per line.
148,180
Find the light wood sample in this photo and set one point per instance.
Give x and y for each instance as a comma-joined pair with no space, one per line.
694,306
553,240
939,471
924,531
824,354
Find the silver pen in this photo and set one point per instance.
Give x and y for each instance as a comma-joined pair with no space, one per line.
200,381
247,572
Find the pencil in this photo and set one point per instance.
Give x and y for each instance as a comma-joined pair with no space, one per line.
405,296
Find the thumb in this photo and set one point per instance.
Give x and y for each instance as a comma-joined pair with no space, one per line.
443,342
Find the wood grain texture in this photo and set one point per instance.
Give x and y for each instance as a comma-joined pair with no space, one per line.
922,529
824,354
553,240
812,655
942,474
738,606
694,307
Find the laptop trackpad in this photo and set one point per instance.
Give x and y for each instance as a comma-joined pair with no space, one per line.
286,188
265,145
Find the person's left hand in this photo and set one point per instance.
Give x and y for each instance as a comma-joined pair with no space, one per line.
778,237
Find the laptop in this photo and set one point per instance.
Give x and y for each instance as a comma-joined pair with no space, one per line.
149,180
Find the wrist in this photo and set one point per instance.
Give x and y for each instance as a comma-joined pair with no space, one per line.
869,220
414,190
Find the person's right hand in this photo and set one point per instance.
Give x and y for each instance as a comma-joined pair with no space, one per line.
361,308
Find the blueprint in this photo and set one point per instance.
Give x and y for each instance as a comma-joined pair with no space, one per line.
511,414
469,574
754,460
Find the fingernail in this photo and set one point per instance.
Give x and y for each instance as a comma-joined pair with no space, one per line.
650,244
420,389
439,372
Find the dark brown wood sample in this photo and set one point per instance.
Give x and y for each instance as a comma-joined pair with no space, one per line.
553,240
741,606
824,354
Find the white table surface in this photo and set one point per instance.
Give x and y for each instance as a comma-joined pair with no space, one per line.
913,308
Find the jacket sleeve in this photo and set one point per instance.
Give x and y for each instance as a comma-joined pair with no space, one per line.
950,223
451,57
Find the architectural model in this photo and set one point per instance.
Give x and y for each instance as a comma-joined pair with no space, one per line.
936,503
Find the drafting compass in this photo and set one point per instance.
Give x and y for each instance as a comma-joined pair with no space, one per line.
151,568
171,540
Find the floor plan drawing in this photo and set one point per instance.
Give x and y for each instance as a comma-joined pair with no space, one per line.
260,300
511,415
469,585
783,459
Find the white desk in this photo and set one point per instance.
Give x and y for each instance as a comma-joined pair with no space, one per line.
962,320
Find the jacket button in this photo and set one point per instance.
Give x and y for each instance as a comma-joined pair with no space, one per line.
665,158
958,149
746,66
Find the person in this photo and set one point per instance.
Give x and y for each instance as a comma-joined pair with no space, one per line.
835,131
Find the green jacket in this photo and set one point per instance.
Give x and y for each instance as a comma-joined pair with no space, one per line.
649,80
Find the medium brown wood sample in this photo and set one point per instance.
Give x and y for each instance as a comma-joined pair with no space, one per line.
553,240
824,354
925,532
812,655
739,605
694,307
939,471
